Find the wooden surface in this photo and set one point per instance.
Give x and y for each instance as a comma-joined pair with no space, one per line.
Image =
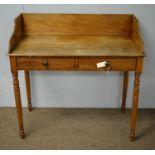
135,99
136,34
17,34
76,34
115,64
28,89
76,46
125,89
71,63
76,24
77,42
45,63
17,95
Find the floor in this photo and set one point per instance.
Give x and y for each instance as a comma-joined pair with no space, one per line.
68,128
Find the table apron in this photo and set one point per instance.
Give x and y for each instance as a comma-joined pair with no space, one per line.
75,64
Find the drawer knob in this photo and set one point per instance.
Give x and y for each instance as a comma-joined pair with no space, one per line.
45,62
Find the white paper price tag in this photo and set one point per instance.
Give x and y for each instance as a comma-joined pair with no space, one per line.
101,64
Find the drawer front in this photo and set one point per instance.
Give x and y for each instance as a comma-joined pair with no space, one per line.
46,63
113,64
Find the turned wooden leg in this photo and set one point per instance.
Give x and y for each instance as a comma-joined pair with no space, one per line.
28,89
18,103
134,106
125,88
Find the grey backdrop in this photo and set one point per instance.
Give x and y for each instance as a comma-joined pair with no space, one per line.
78,89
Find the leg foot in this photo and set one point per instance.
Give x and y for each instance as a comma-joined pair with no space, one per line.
123,108
132,135
29,107
22,134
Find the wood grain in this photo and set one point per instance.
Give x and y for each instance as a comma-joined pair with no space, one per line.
17,96
136,34
138,72
76,24
115,64
76,46
17,34
134,106
124,93
52,63
28,89
76,34
76,42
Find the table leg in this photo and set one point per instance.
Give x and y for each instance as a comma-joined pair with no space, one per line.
134,106
28,89
125,88
18,103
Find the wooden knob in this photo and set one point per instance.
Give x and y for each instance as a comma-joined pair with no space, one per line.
45,62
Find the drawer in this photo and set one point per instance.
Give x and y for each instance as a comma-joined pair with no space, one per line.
46,63
113,64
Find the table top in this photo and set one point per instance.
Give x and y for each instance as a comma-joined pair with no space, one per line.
62,45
